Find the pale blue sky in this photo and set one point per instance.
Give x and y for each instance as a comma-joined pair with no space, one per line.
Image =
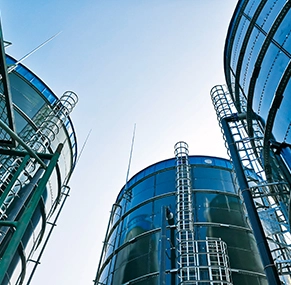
149,62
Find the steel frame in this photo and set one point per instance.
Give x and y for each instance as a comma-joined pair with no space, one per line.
267,197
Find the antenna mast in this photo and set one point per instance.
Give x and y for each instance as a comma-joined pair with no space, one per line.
130,156
12,67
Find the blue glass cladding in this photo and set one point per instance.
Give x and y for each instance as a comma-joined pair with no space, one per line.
252,7
158,188
282,123
137,259
33,79
136,223
250,57
165,182
273,66
48,94
220,179
143,191
239,37
218,208
269,14
133,245
282,35
165,164
24,97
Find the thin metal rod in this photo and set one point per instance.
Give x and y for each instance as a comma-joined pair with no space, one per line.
83,147
130,156
53,225
12,67
163,240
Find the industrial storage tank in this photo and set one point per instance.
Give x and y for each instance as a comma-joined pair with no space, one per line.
38,152
143,241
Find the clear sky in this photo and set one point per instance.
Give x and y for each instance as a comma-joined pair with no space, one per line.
149,62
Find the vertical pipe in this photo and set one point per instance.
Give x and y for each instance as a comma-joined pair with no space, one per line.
162,277
171,223
24,220
264,250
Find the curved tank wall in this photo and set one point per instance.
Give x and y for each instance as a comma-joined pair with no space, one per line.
32,101
132,249
257,63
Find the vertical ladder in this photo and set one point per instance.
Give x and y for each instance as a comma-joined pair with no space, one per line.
188,262
218,262
20,177
269,197
200,261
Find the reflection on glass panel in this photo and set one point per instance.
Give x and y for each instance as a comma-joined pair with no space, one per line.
166,176
239,37
165,182
222,163
110,245
26,98
20,122
214,173
218,208
272,68
269,14
142,196
252,7
137,259
253,48
275,74
212,178
137,222
149,170
213,184
148,183
123,231
283,117
282,35
104,274
224,201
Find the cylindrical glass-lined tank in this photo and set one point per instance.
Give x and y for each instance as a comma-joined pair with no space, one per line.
140,244
42,122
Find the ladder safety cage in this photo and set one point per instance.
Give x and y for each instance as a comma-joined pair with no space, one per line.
21,170
199,261
270,197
